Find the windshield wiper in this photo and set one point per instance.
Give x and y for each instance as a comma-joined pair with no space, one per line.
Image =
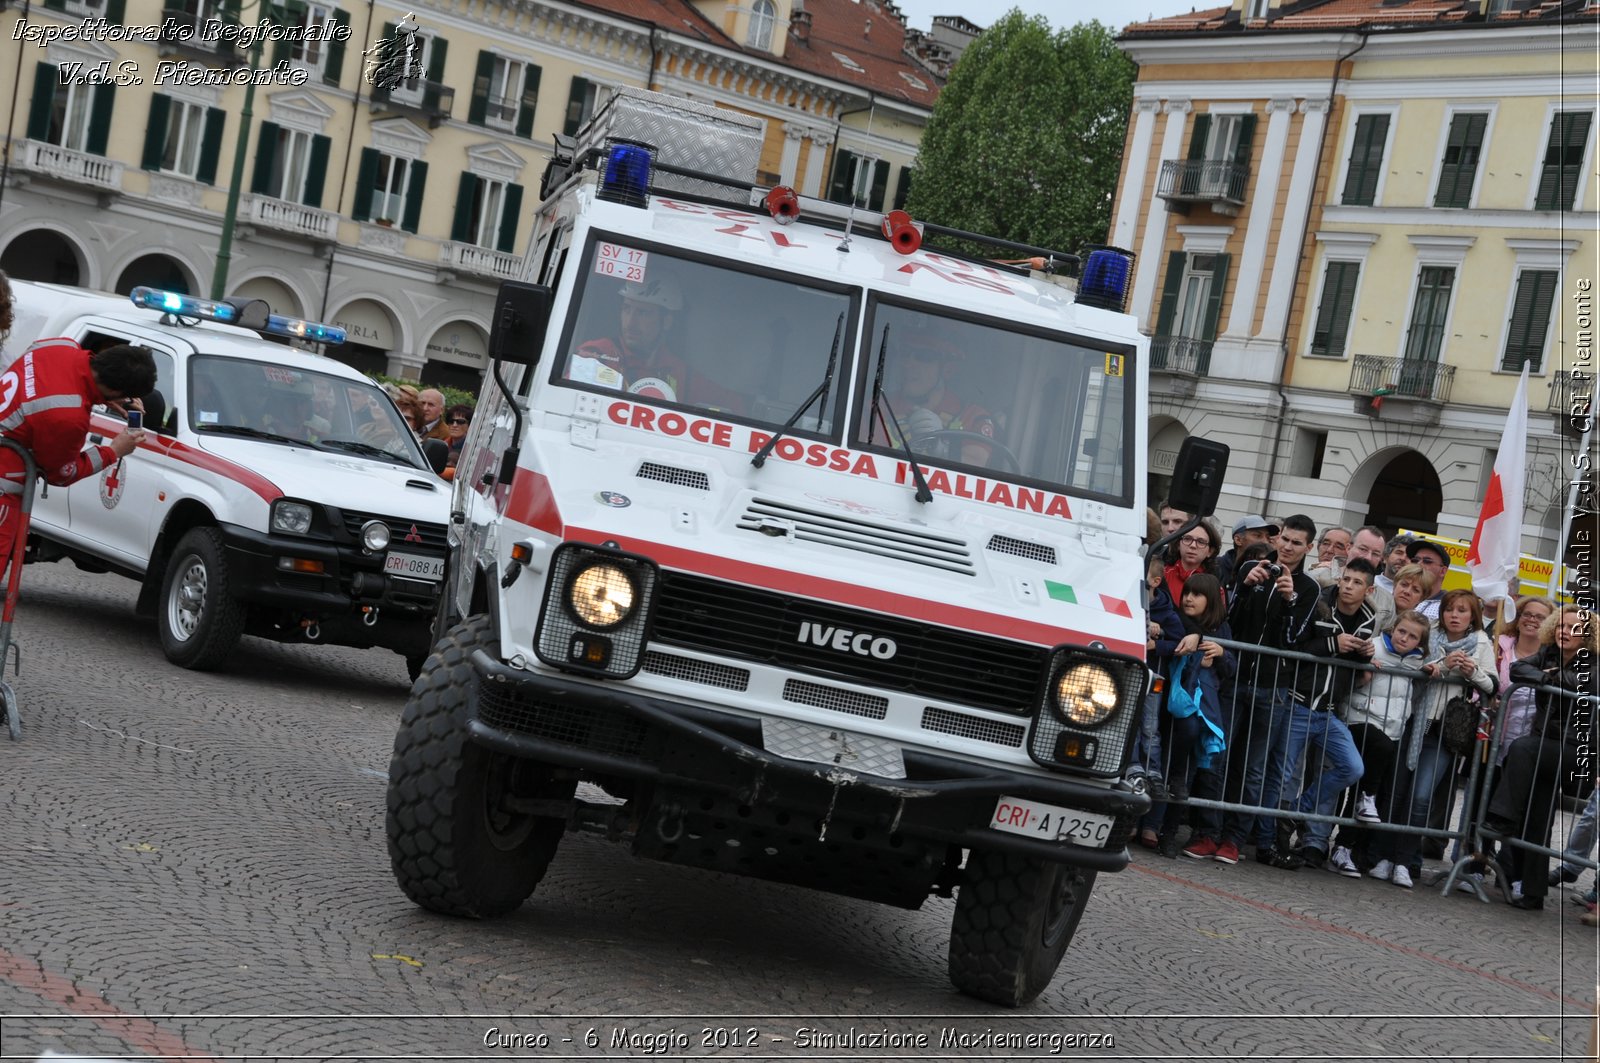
821,392
358,447
255,433
923,494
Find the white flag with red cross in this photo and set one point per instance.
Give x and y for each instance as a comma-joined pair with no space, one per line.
1495,554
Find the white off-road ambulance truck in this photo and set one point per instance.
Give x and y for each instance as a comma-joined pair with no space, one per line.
813,551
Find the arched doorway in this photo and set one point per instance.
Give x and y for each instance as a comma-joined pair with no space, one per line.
1166,436
370,335
42,255
1404,492
155,271
456,357
276,293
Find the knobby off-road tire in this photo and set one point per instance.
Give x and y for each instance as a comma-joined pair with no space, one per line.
457,847
1015,917
199,620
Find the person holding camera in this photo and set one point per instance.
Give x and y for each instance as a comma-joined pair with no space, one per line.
1273,606
45,399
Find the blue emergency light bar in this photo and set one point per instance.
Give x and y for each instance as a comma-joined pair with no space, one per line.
229,313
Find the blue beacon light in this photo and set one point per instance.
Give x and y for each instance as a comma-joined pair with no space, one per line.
625,174
182,305
1104,281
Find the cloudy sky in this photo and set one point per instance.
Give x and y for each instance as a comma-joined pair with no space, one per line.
1113,13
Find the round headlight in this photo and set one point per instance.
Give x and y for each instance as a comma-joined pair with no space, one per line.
1086,694
602,595
375,535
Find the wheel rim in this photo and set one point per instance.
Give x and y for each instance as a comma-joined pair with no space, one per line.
1063,900
506,829
186,605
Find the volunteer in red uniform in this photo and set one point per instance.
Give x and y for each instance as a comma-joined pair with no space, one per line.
45,398
925,405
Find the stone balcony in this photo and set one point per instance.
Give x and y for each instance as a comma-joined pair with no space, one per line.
472,260
73,167
1407,389
281,216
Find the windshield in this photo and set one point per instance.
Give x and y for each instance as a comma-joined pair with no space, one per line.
742,346
237,396
1019,406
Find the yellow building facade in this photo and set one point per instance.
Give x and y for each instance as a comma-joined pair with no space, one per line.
1355,224
393,213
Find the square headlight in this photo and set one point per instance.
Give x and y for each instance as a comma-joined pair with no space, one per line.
596,613
1090,711
290,517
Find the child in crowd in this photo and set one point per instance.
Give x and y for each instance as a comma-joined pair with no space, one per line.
1164,629
1199,736
1377,712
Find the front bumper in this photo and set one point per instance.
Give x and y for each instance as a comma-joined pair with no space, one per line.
687,750
351,579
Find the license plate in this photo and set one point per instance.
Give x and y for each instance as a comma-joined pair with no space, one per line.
414,566
1034,819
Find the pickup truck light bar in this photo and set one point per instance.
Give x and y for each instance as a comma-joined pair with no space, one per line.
246,313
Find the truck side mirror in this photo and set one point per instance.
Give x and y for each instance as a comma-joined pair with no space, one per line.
521,316
1197,476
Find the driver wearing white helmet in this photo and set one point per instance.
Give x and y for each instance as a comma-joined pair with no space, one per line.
637,359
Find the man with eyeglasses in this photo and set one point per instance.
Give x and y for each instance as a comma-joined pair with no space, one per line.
928,408
1435,561
1332,550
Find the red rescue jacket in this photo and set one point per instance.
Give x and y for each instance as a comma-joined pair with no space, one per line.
45,398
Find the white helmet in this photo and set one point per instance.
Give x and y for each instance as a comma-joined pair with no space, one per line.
656,291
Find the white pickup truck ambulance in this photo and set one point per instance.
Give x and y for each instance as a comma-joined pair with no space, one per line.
817,552
277,492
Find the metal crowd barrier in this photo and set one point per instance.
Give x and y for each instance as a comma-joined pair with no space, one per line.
1258,728
1486,836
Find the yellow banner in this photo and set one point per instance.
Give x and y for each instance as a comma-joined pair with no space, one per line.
1533,572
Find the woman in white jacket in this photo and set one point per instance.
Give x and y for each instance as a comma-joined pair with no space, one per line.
1463,652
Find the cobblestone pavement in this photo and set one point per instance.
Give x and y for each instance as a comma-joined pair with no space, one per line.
194,865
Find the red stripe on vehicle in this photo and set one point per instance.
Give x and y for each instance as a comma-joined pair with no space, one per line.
852,594
532,502
200,459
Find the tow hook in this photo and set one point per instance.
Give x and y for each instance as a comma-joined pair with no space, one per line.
669,825
312,630
369,615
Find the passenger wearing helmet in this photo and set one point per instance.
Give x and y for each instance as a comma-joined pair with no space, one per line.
637,359
926,406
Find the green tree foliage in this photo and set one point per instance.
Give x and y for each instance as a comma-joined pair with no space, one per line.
1025,140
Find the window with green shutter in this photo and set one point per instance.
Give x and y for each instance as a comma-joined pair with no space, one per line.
1332,330
1425,337
1366,160
860,178
580,105
1459,167
1563,159
1530,320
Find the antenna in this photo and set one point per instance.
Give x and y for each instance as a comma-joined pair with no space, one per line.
855,178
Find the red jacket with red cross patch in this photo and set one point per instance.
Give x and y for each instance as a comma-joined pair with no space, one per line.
45,398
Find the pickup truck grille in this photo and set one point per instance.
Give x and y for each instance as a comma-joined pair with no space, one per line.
432,535
732,620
